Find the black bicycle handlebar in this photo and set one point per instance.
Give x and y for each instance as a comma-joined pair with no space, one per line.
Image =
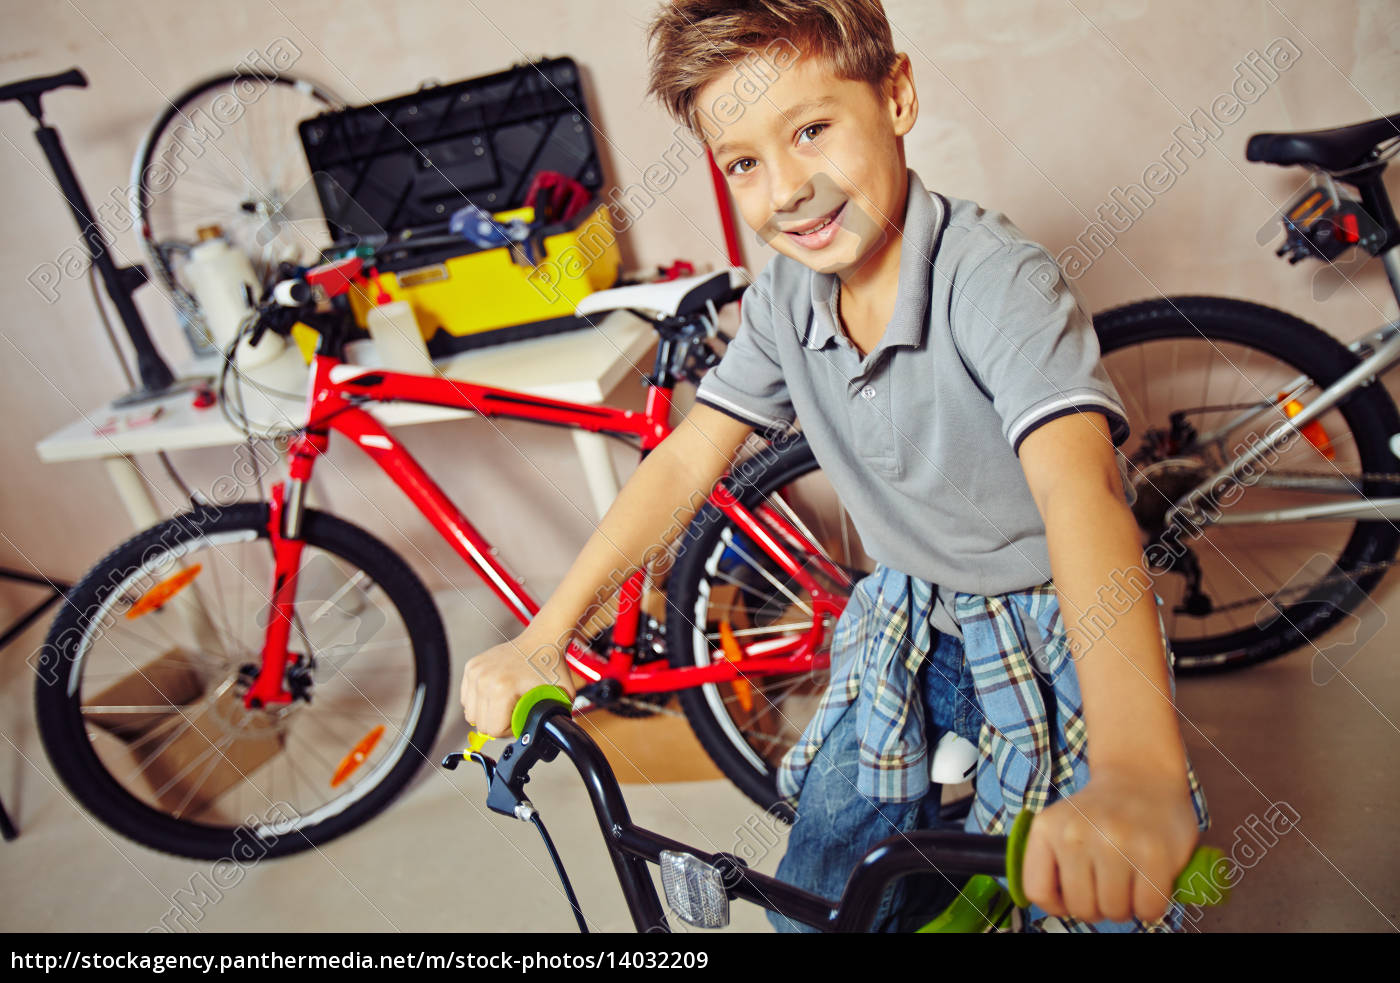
544,728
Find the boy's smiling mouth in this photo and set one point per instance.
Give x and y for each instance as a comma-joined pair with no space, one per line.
818,232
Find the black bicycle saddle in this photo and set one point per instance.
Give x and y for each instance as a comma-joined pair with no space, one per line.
1337,149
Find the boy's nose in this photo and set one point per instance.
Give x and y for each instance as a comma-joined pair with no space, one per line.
790,191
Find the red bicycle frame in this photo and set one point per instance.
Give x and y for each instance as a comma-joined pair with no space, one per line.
335,402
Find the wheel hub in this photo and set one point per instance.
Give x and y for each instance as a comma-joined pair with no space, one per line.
230,715
298,680
1159,485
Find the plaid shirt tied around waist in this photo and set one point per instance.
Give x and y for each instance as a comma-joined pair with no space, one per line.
1033,741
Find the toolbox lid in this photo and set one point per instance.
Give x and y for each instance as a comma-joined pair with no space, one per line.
413,160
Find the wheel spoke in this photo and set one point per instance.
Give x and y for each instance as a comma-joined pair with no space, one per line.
167,720
786,629
255,157
781,587
1208,362
757,718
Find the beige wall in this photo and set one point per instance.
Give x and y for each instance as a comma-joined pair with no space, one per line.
1035,108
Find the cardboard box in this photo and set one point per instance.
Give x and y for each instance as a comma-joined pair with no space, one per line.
182,765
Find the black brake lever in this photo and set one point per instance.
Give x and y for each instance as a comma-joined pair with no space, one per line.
507,792
259,329
488,764
508,777
501,797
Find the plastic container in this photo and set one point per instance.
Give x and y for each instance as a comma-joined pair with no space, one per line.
221,279
398,342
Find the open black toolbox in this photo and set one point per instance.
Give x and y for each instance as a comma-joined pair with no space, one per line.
396,170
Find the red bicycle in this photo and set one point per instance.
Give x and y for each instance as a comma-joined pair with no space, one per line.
268,676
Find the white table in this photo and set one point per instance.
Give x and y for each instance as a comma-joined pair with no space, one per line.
579,366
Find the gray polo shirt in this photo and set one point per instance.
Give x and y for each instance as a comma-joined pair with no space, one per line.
920,437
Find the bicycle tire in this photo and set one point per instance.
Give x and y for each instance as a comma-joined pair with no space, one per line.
148,184
687,593
79,626
1368,412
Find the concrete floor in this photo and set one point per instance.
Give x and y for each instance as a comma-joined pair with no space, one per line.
438,861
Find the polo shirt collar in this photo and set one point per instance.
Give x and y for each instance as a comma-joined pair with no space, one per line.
923,220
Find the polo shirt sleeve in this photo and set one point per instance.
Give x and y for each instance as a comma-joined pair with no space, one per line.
748,382
1030,344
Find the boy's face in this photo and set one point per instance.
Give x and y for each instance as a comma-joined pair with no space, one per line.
815,163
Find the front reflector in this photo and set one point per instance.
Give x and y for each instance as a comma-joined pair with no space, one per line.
694,890
156,597
352,761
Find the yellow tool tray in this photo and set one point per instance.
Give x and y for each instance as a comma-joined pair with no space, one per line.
475,291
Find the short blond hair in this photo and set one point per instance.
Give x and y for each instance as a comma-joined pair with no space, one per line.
693,40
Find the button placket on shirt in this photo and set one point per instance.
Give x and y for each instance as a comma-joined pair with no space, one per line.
873,407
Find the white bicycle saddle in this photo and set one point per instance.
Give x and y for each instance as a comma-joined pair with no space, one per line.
954,760
666,298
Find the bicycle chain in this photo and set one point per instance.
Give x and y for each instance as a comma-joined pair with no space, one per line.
1361,571
1379,477
635,703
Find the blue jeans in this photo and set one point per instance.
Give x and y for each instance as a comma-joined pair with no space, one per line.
836,825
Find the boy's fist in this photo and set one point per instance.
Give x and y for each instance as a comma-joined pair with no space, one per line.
496,679
1112,851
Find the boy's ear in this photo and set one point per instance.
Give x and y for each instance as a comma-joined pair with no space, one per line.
901,98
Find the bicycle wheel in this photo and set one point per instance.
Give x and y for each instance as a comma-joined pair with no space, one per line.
226,152
139,698
722,576
1201,379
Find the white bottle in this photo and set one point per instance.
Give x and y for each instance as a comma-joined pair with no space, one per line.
217,274
397,338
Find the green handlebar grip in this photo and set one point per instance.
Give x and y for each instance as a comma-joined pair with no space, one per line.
532,699
1206,878
1016,856
1204,881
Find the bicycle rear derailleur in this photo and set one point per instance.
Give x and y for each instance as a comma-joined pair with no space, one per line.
1159,485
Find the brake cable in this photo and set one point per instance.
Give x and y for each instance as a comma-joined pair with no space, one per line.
525,810
535,820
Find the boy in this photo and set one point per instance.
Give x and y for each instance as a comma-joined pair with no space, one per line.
951,391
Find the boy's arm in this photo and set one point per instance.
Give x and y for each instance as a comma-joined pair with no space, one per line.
1113,849
664,492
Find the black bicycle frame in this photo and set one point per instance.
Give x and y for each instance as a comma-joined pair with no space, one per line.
550,730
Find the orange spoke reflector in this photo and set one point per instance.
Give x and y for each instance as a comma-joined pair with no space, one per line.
742,688
352,761
1314,431
163,591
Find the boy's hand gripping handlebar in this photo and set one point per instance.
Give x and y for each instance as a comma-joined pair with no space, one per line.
1204,881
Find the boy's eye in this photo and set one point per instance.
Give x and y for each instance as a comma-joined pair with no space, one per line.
810,133
742,166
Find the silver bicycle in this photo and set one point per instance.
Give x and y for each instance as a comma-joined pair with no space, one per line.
1264,453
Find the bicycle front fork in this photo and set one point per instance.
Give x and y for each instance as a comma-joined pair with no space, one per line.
284,522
